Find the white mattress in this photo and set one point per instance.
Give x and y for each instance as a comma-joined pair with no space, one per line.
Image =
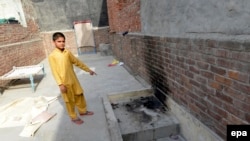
22,72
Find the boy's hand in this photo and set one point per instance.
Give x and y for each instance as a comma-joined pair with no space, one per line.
63,89
92,72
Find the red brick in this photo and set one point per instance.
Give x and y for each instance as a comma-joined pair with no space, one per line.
224,97
238,76
194,108
220,111
233,110
207,89
194,69
222,53
207,74
194,83
189,74
216,85
239,66
233,119
201,106
214,115
215,100
201,79
241,87
209,59
242,56
218,70
247,117
223,80
190,61
242,105
223,63
198,57
235,94
247,98
203,65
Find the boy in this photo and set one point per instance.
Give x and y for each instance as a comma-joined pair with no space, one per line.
61,63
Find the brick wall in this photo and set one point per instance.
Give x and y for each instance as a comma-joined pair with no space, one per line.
124,15
20,46
20,54
101,36
210,78
13,33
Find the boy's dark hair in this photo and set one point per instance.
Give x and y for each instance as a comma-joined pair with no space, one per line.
57,35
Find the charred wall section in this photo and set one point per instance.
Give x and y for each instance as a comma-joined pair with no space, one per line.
209,77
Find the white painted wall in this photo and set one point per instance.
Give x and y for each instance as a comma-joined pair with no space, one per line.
12,8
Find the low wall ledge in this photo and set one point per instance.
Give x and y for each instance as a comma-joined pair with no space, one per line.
19,43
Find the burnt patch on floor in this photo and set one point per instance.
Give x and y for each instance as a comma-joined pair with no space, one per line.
147,118
143,118
147,109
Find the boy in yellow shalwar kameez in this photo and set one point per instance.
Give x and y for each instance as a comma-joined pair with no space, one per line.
61,63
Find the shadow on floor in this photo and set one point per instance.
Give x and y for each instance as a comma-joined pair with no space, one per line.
22,83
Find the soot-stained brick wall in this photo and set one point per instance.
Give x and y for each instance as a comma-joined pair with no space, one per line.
209,77
207,73
20,46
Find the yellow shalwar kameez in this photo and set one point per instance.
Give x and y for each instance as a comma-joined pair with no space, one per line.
61,64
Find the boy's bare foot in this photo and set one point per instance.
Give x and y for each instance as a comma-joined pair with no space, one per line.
77,121
88,113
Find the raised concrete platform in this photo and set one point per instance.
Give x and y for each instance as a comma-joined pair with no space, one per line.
130,121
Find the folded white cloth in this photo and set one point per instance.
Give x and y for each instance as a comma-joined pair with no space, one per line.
30,129
24,111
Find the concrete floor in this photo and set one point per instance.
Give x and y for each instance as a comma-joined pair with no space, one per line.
109,80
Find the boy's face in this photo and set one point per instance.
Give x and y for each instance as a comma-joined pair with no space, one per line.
60,43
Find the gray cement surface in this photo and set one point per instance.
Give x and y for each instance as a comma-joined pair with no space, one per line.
69,12
108,80
170,17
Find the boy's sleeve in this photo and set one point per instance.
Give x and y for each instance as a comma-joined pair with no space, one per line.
52,64
78,63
